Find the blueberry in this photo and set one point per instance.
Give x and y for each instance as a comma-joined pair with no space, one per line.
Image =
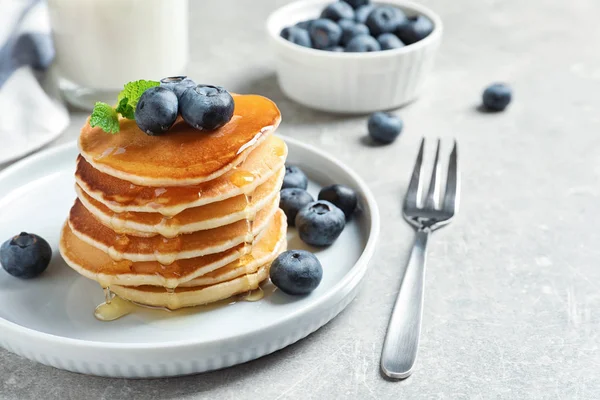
350,29
156,111
346,24
305,24
336,49
497,96
320,223
207,107
296,272
25,255
362,13
177,84
389,41
171,81
415,29
296,35
294,178
337,11
342,197
356,4
325,33
385,19
384,127
291,200
362,44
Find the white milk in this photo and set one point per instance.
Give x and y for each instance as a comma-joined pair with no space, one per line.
103,44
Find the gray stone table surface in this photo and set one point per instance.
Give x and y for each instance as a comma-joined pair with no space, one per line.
512,308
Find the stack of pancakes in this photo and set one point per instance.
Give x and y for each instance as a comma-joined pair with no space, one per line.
182,219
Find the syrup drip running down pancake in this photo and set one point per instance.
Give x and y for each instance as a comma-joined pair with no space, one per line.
161,249
191,296
200,271
190,220
183,156
121,196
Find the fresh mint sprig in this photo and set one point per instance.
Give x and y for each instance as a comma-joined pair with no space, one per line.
125,109
107,117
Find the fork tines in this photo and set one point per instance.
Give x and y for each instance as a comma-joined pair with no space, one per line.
413,202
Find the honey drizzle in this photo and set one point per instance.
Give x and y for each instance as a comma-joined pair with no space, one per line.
241,178
165,227
107,295
120,245
173,301
114,307
167,249
253,295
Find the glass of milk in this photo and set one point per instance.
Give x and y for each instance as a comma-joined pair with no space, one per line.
103,44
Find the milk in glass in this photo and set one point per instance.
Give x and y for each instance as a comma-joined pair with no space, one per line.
103,44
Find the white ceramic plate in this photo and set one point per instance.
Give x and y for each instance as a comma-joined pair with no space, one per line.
50,319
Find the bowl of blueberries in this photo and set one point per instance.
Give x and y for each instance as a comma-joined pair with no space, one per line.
353,56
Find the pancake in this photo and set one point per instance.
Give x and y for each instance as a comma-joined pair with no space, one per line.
181,219
157,296
184,156
164,250
207,270
263,253
121,196
190,220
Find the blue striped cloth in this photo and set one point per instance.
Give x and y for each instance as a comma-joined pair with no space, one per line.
31,112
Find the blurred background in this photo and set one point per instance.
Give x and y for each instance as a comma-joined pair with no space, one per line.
542,48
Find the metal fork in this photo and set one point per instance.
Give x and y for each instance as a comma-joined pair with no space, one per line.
402,339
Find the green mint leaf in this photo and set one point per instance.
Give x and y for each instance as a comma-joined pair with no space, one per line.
130,95
125,109
105,117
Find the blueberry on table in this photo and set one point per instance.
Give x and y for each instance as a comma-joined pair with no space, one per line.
417,28
291,200
342,197
177,84
156,110
305,24
296,35
325,33
296,272
384,127
356,4
206,107
363,44
25,256
497,96
294,178
362,13
385,19
337,11
389,41
350,29
320,223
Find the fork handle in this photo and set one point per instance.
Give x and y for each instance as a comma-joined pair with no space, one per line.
402,338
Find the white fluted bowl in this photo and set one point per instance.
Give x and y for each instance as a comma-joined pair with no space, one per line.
351,83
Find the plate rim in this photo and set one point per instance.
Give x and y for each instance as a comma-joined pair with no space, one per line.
359,266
